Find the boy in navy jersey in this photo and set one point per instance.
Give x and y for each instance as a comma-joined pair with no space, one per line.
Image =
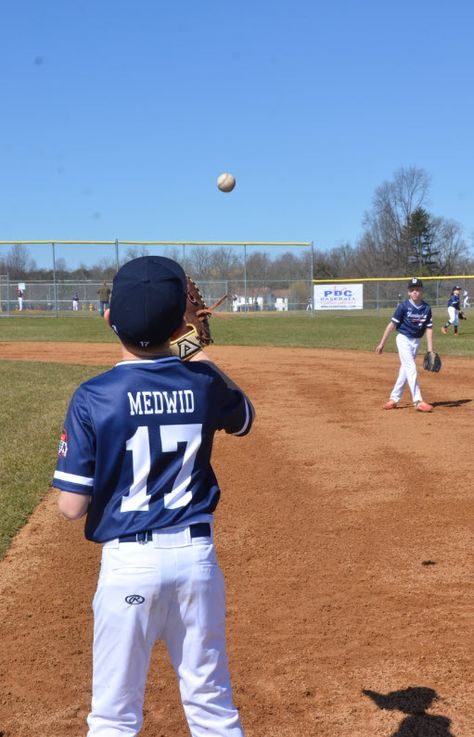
454,307
412,319
135,457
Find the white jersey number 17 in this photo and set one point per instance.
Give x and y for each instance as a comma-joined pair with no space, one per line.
137,500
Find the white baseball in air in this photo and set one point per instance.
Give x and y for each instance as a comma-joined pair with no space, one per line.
226,182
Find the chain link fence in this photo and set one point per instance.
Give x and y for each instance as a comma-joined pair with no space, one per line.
251,295
46,297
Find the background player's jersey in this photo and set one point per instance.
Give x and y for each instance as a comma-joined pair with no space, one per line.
411,319
138,440
455,301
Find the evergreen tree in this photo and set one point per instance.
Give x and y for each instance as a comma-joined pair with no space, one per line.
419,234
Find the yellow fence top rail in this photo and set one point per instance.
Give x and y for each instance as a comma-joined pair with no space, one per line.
391,278
156,243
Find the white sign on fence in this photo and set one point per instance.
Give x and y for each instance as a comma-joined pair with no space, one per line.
338,296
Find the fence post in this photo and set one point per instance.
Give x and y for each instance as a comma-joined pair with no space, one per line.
55,286
5,292
378,296
311,285
117,263
245,277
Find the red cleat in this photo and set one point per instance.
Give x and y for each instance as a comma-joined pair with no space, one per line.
391,404
424,407
444,330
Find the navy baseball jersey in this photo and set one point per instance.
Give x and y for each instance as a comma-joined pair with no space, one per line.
138,440
411,319
455,301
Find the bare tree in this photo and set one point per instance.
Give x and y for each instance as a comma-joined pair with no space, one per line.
200,259
134,252
258,265
386,224
61,266
287,266
18,262
176,253
225,263
450,244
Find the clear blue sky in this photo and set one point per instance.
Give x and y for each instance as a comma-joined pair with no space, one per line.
117,116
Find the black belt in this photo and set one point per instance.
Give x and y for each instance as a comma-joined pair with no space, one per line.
198,529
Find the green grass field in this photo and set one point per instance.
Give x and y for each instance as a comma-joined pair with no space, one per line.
358,330
35,395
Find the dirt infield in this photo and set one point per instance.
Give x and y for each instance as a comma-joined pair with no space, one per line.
346,538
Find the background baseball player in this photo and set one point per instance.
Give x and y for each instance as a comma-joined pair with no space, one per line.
412,319
135,456
19,295
454,310
104,298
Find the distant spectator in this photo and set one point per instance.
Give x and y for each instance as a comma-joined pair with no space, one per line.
104,293
75,302
465,299
19,296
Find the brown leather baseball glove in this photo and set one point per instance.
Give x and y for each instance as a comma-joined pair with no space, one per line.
197,333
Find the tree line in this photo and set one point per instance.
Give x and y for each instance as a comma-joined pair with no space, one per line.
400,237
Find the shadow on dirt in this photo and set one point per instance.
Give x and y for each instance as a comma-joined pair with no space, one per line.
452,403
413,701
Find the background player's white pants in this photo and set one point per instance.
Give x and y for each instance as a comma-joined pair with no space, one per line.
407,351
453,315
183,604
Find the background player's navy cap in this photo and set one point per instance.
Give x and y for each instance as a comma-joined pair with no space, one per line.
415,283
148,300
458,287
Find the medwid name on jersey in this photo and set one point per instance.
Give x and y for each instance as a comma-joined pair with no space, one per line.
158,403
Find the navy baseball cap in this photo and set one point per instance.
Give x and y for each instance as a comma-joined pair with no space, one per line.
458,287
415,283
148,300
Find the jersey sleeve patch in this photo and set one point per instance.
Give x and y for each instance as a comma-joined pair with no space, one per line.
62,449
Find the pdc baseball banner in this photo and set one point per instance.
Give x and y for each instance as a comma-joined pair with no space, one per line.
338,296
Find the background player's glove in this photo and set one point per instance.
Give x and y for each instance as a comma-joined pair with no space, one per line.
462,316
432,361
197,333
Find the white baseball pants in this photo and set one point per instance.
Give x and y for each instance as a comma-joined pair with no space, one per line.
453,315
407,351
171,589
